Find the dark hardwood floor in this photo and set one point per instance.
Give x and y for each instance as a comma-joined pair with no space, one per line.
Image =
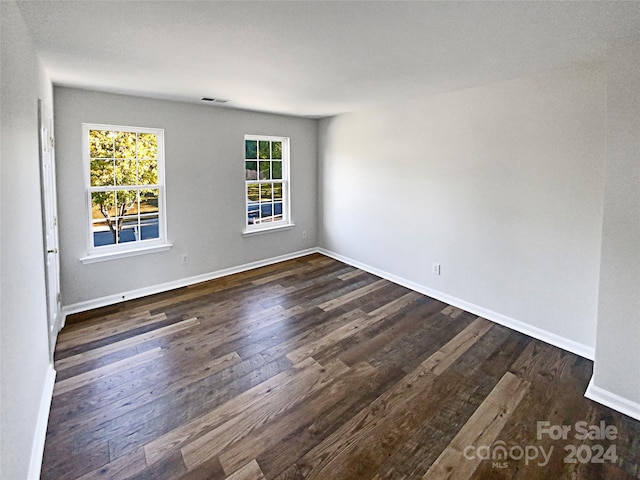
312,369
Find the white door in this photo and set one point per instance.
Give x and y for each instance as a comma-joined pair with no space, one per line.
49,223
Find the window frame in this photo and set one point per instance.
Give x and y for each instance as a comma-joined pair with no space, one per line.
286,222
136,247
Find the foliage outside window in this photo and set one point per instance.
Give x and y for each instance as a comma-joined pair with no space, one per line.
126,188
266,181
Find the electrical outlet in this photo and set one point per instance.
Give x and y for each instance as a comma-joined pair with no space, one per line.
435,268
184,258
304,234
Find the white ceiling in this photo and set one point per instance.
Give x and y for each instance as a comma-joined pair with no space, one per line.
313,58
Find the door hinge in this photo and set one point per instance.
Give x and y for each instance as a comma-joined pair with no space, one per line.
58,297
51,143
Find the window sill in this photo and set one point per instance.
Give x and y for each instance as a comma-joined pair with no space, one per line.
249,233
104,257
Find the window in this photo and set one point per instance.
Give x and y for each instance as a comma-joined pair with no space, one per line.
125,177
266,167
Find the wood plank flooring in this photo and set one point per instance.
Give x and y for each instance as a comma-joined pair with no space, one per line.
312,369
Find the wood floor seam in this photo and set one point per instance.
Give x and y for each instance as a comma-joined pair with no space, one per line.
85,378
122,344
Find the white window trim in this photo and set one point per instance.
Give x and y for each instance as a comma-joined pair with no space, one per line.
286,222
273,228
128,249
103,257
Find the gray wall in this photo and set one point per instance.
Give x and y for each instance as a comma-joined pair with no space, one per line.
24,354
618,343
501,184
204,188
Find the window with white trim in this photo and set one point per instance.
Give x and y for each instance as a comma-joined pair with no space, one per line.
124,171
266,167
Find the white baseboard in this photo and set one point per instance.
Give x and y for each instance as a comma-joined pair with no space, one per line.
522,327
37,449
535,332
611,400
184,282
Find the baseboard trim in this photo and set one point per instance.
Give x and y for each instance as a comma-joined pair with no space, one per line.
611,400
522,327
37,449
535,332
184,282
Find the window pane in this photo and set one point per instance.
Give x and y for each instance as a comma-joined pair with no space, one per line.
102,173
126,172
125,145
265,154
251,170
126,200
251,149
103,205
129,229
147,172
126,205
149,201
266,211
277,210
277,191
103,214
253,192
265,192
100,144
147,146
253,213
102,234
277,170
265,170
149,227
276,150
